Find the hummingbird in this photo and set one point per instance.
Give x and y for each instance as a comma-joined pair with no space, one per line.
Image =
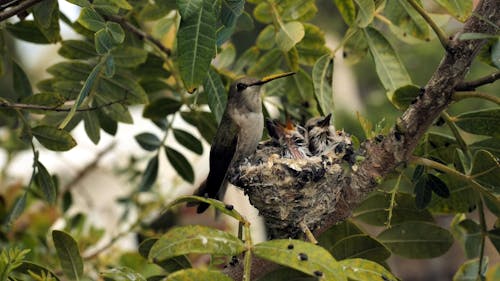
321,134
237,136
292,138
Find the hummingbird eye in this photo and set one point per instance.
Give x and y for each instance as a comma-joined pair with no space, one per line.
241,86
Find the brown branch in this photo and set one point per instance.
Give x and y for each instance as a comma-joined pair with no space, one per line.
137,31
383,157
18,9
24,106
472,85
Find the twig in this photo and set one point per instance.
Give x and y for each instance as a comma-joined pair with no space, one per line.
456,133
143,35
464,95
52,108
89,167
439,32
17,9
484,232
472,85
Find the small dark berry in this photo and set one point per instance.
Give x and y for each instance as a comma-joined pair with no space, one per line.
318,273
290,247
398,136
303,257
229,207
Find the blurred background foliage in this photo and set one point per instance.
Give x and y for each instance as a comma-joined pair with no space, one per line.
92,68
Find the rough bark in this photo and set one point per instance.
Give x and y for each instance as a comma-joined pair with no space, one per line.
397,147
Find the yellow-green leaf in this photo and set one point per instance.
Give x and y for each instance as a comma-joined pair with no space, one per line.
69,254
289,34
481,122
366,12
406,21
198,275
347,10
365,270
265,39
195,239
322,76
216,94
53,138
459,9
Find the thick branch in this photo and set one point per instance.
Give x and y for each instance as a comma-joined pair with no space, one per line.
137,31
397,147
472,85
18,9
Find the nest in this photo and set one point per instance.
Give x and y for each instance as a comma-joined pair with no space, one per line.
289,192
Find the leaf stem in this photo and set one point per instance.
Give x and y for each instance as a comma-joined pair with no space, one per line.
248,254
393,201
455,132
465,95
482,223
439,32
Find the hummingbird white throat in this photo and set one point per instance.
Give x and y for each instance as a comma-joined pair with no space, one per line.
237,136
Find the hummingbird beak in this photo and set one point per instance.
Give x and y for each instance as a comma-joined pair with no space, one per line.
271,78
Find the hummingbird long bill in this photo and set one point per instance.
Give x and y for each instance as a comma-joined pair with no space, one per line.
237,136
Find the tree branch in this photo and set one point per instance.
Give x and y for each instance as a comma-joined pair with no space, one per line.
472,85
137,31
18,9
382,157
465,95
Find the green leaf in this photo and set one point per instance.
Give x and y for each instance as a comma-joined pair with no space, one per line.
109,67
375,209
312,46
366,12
148,141
468,233
17,210
355,47
337,232
116,32
230,11
402,97
150,174
46,15
219,205
226,57
188,141
494,236
116,111
122,273
195,239
81,3
460,10
438,186
217,97
486,170
360,246
365,270
247,59
322,76
109,125
127,56
45,99
263,13
77,49
180,164
390,70
26,267
203,121
122,4
103,42
266,64
495,54
68,253
347,10
122,87
71,70
469,269
27,30
463,197
198,274
265,39
196,43
169,265
53,138
475,35
481,122
156,11
289,34
92,126
423,193
45,183
299,10
20,81
417,240
299,255
161,108
153,67
90,19
406,21
491,144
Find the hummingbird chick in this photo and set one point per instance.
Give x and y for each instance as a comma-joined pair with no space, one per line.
237,136
321,134
290,137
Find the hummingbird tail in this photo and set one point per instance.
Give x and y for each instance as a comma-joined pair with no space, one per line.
201,191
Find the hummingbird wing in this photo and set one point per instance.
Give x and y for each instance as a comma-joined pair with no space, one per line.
221,155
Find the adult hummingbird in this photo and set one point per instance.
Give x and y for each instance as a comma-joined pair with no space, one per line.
237,136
